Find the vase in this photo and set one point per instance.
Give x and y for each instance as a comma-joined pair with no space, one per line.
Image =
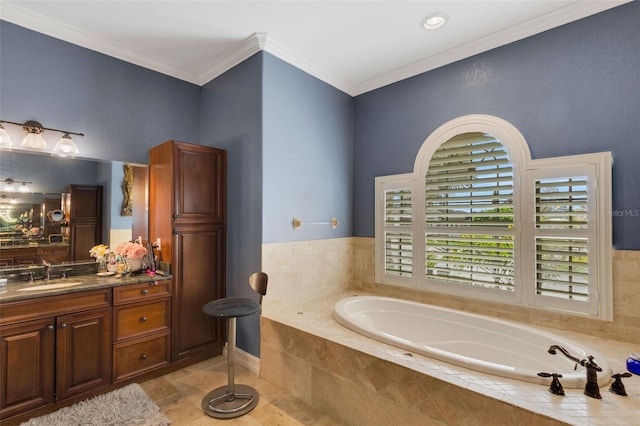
137,264
102,265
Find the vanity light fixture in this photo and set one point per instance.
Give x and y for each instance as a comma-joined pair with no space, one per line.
35,141
435,21
8,200
11,185
5,138
66,146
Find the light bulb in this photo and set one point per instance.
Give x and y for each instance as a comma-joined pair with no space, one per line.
66,146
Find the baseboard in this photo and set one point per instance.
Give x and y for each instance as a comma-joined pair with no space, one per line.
245,359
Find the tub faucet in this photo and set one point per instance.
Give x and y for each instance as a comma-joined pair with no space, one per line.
591,388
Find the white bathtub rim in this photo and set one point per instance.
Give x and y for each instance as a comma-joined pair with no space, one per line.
569,380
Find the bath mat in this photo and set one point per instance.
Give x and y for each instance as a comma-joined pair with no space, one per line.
129,406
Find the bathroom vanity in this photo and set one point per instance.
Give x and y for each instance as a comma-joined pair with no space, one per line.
65,340
82,336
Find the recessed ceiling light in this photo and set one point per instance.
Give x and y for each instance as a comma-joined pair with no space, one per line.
434,21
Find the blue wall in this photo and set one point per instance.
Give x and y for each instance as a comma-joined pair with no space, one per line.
232,120
571,90
308,155
122,109
298,147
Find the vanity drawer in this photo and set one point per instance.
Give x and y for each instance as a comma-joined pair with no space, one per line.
138,356
136,320
139,292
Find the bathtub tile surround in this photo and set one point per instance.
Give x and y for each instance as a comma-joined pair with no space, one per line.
354,379
309,355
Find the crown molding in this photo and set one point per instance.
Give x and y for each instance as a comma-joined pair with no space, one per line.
257,42
573,12
260,41
244,50
11,12
310,67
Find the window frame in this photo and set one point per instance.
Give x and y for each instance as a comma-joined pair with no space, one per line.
524,213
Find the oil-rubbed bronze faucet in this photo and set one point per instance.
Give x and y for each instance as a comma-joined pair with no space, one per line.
591,388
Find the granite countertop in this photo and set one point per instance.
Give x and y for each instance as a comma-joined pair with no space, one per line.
31,244
15,290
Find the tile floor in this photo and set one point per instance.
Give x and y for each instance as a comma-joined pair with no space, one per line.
179,395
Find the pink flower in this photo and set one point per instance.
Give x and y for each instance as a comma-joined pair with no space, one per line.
131,250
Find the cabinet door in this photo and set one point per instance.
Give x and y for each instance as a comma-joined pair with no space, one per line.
27,362
84,214
84,352
199,277
200,180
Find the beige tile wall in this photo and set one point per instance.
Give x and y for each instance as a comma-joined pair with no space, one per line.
309,270
302,271
355,388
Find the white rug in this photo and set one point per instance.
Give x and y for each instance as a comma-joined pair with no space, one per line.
129,406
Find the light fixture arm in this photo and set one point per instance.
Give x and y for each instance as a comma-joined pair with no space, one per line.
33,126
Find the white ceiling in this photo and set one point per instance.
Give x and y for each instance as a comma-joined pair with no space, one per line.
356,46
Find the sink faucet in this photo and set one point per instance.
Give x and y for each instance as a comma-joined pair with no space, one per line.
591,388
47,270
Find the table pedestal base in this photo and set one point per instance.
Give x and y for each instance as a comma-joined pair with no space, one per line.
221,404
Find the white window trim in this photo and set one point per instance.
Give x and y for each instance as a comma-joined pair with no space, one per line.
519,154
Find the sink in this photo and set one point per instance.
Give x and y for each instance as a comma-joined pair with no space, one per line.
51,286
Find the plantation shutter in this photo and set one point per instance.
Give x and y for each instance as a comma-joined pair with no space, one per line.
564,236
469,213
395,210
562,252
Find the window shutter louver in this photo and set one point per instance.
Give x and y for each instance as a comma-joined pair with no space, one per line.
469,213
561,240
398,244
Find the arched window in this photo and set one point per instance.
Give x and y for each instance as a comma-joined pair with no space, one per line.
479,218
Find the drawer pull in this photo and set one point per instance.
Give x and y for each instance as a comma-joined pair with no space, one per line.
145,291
49,327
143,356
63,325
143,319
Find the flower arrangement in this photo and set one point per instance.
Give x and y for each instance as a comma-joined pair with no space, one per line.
99,251
131,250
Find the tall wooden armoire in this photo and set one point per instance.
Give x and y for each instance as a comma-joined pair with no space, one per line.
83,213
187,211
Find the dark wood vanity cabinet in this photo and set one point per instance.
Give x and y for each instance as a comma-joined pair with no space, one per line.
83,352
53,348
27,357
187,211
141,329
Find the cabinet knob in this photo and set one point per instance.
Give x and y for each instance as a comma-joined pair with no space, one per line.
143,319
145,291
63,325
143,356
176,216
49,327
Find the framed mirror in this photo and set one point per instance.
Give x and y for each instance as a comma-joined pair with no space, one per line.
38,218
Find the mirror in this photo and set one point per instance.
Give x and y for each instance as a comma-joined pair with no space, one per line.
38,217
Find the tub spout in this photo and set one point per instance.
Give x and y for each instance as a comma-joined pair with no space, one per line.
591,388
553,348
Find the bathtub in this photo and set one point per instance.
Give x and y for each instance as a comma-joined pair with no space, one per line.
477,342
